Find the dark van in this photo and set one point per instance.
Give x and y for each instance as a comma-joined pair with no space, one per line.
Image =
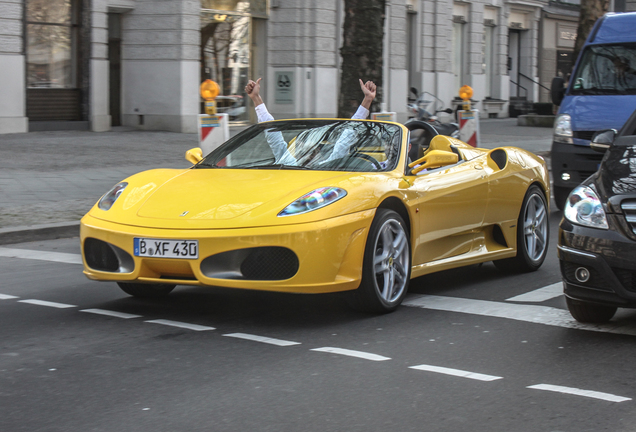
601,95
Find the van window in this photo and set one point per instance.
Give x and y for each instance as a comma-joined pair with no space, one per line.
606,69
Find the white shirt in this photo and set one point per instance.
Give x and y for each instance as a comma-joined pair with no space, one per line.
279,146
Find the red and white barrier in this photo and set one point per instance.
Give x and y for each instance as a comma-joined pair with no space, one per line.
469,127
214,130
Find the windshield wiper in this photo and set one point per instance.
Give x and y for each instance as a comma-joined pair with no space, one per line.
278,166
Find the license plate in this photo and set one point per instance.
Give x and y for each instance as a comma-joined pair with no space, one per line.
163,248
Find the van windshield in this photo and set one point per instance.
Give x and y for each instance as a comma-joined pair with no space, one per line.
606,69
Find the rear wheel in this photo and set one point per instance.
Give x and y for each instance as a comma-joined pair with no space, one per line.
533,233
590,312
386,268
146,290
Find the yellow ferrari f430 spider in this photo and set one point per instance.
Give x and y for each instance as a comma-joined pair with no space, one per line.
317,206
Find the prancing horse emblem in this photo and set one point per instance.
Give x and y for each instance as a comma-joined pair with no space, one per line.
184,213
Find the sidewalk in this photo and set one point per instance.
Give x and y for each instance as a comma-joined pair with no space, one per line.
49,180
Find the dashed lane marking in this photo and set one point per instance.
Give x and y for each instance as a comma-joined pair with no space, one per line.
527,313
7,297
456,372
111,313
60,257
267,340
540,295
47,303
352,353
579,392
179,324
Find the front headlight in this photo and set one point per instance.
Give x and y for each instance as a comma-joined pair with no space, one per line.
314,200
107,201
563,129
583,207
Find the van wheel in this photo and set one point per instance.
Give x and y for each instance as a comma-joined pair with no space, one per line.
590,312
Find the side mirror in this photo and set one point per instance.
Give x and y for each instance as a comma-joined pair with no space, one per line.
433,159
194,155
448,111
414,91
602,140
557,90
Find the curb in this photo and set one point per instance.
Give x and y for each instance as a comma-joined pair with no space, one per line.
39,232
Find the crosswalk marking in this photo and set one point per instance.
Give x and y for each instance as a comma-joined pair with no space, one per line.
263,339
352,353
47,303
540,295
580,392
528,313
456,372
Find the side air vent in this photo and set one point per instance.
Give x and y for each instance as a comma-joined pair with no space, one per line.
499,157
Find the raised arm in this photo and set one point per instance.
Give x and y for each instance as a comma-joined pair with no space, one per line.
369,90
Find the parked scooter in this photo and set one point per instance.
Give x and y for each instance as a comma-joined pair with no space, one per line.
424,124
426,106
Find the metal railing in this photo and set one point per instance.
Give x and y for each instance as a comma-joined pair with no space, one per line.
531,80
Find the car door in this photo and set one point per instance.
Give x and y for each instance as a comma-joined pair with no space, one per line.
449,205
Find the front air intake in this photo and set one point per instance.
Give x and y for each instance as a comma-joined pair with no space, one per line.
259,263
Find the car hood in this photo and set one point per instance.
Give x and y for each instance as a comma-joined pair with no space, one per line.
598,112
224,198
617,173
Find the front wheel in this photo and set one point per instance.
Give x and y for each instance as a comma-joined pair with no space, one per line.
590,312
146,290
386,269
533,234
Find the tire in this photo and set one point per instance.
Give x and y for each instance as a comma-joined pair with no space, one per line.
141,290
533,234
590,312
386,268
560,196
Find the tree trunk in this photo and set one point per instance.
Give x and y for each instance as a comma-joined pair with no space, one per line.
361,52
591,10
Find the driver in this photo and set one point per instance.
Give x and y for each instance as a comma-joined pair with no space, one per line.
278,144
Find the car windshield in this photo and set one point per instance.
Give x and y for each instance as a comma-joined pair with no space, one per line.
330,145
606,69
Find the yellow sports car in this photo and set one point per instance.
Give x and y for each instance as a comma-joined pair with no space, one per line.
317,206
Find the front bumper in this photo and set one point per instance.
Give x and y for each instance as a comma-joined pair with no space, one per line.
608,255
329,254
578,161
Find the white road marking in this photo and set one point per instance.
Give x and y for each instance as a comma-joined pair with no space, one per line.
47,303
579,392
61,257
111,313
352,353
528,313
7,297
267,340
541,294
456,372
195,327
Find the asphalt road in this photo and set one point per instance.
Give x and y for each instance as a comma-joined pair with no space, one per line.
471,350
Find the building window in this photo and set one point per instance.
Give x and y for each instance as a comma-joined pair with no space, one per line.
488,58
51,30
458,51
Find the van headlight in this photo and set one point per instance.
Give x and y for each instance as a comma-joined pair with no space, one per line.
563,129
583,207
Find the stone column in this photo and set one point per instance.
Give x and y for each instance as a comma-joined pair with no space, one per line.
160,65
98,100
12,74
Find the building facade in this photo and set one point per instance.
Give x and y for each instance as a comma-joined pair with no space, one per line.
94,64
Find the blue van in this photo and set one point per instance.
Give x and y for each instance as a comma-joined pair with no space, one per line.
601,94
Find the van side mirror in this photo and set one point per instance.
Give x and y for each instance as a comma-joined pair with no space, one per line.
602,140
557,90
194,155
